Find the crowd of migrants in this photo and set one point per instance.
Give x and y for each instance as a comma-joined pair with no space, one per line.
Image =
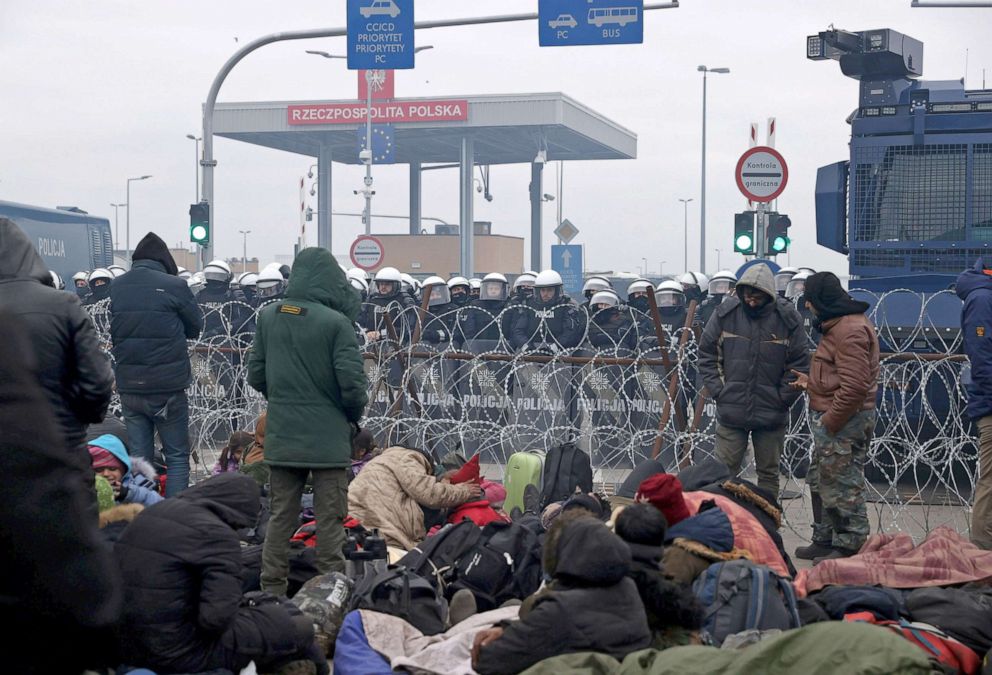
311,542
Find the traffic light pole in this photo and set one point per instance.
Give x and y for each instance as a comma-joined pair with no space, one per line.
208,163
761,239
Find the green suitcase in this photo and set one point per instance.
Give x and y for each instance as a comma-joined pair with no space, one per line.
522,469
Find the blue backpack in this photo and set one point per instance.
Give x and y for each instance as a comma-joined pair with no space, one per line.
738,595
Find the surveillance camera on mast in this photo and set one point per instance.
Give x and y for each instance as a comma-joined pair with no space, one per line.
365,156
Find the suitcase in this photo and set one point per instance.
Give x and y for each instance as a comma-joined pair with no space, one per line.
522,469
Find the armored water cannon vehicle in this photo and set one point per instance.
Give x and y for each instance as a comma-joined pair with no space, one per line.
912,206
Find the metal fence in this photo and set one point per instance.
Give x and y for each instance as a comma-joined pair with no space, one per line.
624,405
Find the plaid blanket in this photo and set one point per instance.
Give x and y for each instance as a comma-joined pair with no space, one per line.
892,560
749,535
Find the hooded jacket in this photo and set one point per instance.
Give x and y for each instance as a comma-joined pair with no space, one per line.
389,492
305,361
59,579
594,606
138,485
72,369
974,287
152,315
745,360
181,564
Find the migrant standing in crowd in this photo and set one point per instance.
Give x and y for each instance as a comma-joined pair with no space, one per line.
974,287
305,362
750,350
549,322
153,314
842,384
73,370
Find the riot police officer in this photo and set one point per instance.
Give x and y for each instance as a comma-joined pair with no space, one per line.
481,319
671,302
224,309
81,286
387,298
721,285
99,282
247,284
461,290
610,328
794,292
782,279
550,321
639,305
441,316
591,287
475,288
695,285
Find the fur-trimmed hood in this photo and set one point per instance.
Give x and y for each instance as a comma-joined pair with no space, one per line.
124,513
142,467
746,493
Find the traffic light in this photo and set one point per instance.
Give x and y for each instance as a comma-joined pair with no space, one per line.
744,232
778,233
199,223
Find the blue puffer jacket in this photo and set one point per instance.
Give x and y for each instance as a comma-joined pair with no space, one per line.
974,287
712,528
153,313
138,484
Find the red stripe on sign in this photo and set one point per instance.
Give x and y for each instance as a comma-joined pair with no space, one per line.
383,113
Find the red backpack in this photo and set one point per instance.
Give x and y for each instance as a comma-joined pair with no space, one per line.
941,647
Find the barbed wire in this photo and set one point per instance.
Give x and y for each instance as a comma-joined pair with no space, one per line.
633,394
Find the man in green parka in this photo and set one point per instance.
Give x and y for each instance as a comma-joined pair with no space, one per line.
306,363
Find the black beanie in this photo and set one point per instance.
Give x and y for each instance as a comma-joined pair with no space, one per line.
151,247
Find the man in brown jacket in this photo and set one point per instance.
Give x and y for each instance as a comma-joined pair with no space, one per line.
842,384
388,493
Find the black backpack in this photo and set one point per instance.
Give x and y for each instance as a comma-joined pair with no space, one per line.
399,592
565,469
504,564
434,558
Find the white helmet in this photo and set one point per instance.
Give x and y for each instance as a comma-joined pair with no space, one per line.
525,280
407,281
100,273
269,283
723,283
639,286
797,285
494,286
359,284
670,294
356,273
80,276
116,270
195,284
807,269
783,278
458,281
218,270
437,291
475,284
183,273
547,279
694,279
595,284
607,297
388,277
248,279
57,282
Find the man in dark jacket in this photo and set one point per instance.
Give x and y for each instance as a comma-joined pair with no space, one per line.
153,314
974,287
842,385
594,606
305,362
747,355
550,321
73,370
183,607
59,582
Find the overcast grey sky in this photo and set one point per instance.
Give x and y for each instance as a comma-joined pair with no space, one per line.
96,92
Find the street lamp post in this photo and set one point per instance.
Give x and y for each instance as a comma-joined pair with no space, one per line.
645,268
244,250
196,167
717,259
702,196
366,155
685,236
117,229
661,267
128,212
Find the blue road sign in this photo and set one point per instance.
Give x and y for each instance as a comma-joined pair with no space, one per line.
566,260
590,22
380,34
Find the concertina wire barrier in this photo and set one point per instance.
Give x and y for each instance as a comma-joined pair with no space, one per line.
620,406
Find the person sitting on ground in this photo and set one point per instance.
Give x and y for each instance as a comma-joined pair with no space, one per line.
133,479
674,614
389,492
231,454
184,611
479,511
594,605
253,463
363,450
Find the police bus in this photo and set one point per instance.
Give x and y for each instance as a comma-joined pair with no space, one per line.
69,240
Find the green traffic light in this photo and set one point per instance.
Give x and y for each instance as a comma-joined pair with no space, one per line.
198,234
780,243
744,243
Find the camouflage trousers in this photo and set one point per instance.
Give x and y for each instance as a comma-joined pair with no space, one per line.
837,474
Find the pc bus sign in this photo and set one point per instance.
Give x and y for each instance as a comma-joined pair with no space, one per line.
761,174
367,252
